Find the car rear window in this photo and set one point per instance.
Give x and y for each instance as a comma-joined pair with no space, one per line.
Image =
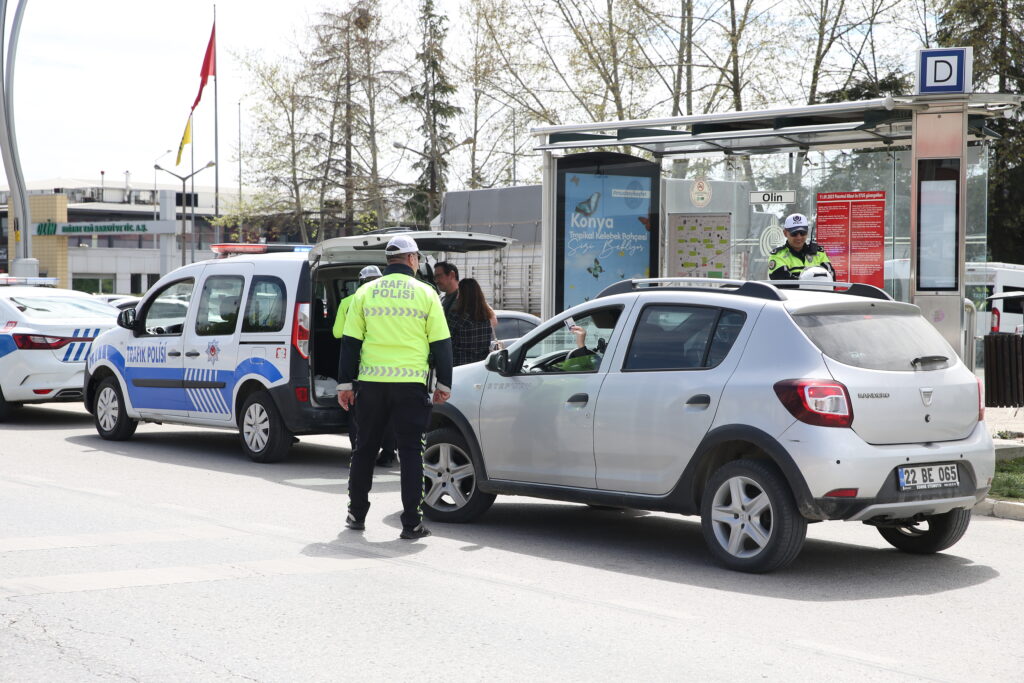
55,307
888,341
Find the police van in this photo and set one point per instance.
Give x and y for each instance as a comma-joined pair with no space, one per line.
243,342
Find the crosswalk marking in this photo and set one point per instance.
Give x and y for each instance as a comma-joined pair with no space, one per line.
136,578
193,533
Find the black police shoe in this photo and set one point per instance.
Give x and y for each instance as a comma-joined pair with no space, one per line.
412,533
354,524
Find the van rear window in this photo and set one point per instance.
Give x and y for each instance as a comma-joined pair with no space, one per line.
902,342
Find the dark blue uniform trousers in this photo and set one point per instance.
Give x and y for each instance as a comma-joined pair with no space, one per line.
405,406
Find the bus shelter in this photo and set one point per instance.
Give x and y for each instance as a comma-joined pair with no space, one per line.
896,189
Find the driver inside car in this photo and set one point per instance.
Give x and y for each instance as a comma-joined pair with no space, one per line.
582,358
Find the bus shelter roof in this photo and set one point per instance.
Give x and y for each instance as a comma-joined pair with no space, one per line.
842,125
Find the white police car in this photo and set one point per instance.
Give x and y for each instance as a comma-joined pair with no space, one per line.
243,342
45,335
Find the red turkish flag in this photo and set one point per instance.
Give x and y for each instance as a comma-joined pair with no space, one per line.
209,64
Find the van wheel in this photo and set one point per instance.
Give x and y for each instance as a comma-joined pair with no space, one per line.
450,479
5,408
264,436
750,519
109,413
934,534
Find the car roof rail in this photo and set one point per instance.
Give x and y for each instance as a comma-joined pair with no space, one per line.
752,288
851,288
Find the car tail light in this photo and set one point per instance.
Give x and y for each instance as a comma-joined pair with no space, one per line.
981,400
842,493
40,341
816,402
302,394
300,330
995,320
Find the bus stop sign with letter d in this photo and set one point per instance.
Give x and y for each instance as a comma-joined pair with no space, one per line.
944,70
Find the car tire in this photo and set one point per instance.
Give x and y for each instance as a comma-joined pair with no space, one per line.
942,532
264,437
749,517
450,479
5,408
110,414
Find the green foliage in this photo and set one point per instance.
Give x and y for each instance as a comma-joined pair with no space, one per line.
868,88
431,98
1009,479
996,32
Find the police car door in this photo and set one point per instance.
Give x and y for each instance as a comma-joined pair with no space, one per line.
153,356
211,341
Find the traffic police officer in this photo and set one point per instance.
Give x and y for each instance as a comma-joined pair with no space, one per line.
392,326
367,274
789,260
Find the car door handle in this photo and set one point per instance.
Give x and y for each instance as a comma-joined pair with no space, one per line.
191,354
699,401
581,399
174,353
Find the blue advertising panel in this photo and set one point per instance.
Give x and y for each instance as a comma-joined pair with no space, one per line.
607,225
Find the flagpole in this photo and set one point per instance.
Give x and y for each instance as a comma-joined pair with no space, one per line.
192,201
216,136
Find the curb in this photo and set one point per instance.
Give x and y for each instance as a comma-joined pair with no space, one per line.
1004,509
1008,450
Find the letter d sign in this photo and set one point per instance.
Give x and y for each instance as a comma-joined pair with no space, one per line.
945,70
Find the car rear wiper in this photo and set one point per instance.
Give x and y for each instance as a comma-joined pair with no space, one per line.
921,360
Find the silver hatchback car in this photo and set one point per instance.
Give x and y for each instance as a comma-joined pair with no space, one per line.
758,406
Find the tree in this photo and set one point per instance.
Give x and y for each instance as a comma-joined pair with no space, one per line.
996,32
431,99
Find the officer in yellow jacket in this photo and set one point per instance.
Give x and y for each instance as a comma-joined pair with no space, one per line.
798,253
393,325
367,274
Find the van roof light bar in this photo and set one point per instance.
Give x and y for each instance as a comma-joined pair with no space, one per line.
14,280
233,248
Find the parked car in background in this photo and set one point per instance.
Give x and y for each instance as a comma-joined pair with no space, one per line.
45,336
758,406
514,324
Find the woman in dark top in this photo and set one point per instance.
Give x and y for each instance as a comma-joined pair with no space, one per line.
471,322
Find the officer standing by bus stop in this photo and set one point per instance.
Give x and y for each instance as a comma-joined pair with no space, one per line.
789,261
392,326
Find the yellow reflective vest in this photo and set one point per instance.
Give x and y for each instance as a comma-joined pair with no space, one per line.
396,317
783,264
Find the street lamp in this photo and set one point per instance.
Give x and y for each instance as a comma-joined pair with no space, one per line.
432,201
183,180
156,204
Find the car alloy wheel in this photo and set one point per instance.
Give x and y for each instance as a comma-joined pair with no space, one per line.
742,517
749,518
265,438
451,476
109,413
451,479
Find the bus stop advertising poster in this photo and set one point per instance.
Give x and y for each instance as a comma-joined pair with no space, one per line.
606,225
850,226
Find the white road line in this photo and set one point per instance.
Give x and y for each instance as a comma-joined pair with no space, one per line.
165,576
320,481
192,533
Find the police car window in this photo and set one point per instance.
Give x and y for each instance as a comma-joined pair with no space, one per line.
671,338
167,311
219,303
265,309
558,351
46,306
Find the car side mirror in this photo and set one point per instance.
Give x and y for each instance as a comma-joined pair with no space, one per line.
126,319
498,362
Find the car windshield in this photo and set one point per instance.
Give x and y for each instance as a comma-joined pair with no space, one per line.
56,307
875,341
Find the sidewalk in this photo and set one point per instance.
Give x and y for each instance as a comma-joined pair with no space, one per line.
1002,420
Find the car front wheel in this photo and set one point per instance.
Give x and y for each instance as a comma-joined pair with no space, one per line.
932,535
109,413
750,519
265,439
450,479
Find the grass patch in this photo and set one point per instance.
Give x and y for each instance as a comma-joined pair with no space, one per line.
1009,480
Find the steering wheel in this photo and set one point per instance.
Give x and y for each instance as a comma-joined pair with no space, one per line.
547,362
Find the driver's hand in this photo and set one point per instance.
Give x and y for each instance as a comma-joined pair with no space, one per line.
580,334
